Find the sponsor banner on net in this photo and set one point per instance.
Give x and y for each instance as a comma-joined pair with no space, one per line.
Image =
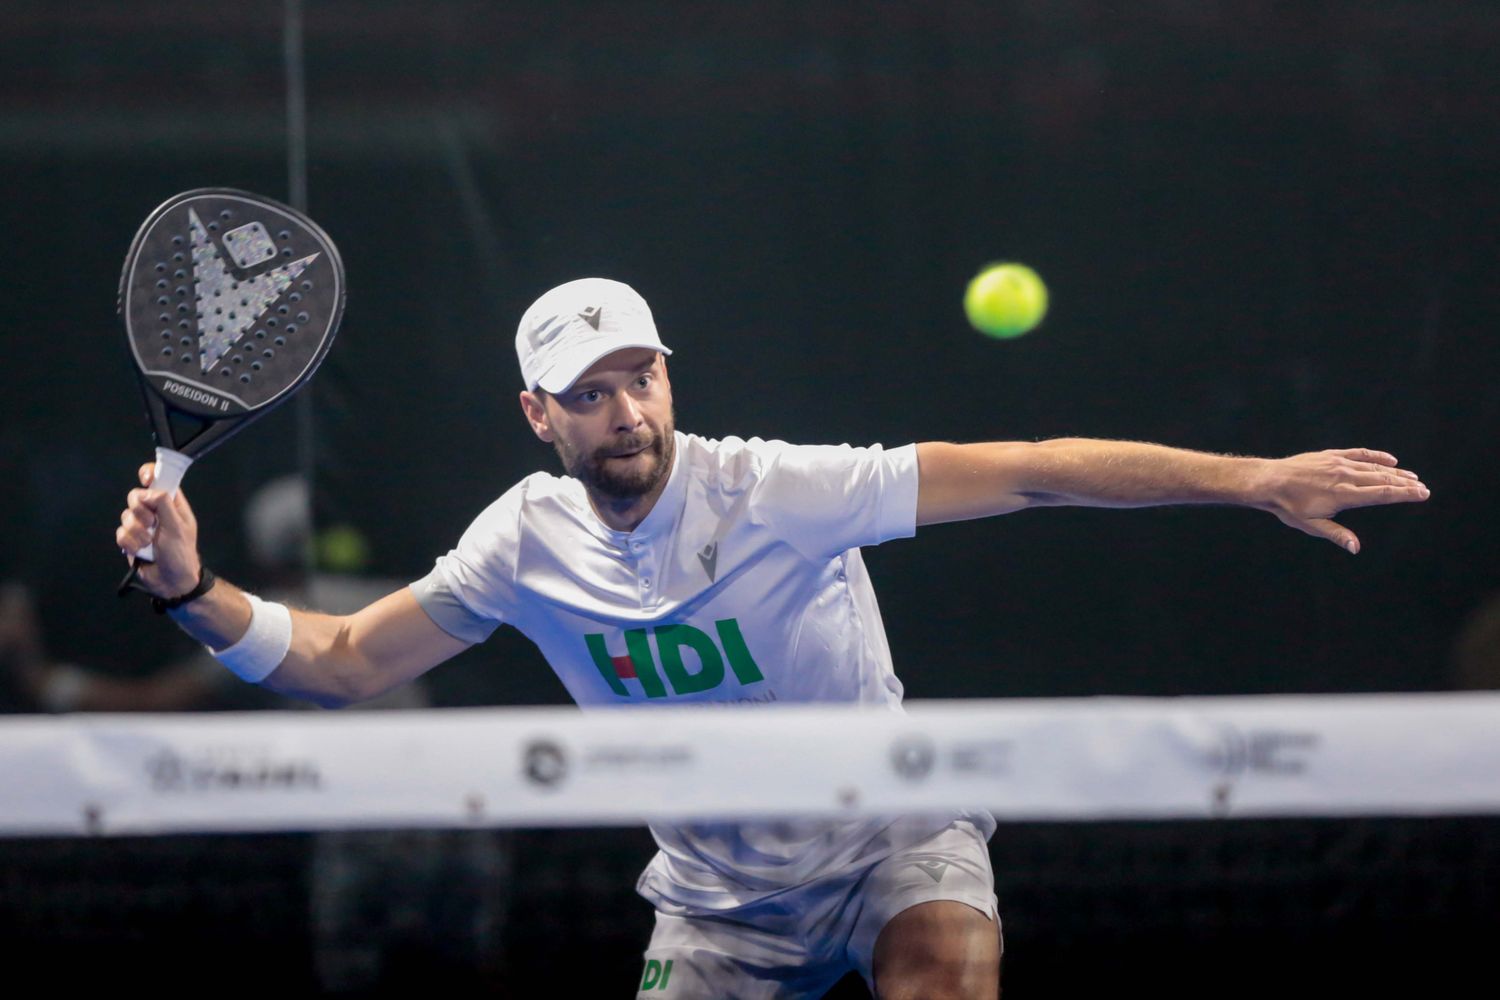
1040,759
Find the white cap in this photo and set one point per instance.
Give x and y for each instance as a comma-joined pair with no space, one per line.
575,324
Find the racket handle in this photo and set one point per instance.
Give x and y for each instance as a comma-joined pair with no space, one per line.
171,466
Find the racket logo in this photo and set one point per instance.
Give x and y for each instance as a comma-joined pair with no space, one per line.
196,395
227,306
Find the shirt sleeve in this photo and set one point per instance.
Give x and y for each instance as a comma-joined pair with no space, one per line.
448,611
470,590
826,499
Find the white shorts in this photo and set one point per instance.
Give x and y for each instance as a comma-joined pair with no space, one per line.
800,942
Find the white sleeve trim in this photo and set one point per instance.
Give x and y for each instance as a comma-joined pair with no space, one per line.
448,611
898,508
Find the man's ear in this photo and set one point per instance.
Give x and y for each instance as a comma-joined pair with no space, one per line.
535,409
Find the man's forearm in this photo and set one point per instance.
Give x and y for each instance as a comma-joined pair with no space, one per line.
330,659
962,481
316,666
1098,473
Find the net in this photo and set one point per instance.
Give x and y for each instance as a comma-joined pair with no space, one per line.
399,891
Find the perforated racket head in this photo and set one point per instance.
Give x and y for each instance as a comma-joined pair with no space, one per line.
230,301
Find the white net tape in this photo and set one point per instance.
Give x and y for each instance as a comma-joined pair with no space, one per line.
1071,759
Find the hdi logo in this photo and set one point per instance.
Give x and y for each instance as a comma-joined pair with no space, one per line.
638,664
657,974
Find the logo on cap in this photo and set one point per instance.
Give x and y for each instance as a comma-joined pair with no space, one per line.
591,316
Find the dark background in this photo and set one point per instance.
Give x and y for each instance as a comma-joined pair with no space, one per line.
1266,227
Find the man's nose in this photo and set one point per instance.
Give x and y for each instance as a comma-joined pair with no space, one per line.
627,412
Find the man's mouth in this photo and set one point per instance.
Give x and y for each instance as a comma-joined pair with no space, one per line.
629,452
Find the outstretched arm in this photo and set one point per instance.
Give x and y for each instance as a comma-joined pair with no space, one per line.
963,481
332,660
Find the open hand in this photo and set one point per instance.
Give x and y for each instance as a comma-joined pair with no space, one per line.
1306,491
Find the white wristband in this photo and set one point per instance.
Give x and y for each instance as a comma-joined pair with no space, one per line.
264,644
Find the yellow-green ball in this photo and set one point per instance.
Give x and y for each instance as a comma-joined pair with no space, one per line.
1005,300
342,548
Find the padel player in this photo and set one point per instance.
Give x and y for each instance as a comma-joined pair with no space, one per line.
666,568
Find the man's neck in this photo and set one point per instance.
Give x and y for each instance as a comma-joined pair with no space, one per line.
627,514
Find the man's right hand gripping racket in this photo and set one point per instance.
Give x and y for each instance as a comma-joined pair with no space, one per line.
230,302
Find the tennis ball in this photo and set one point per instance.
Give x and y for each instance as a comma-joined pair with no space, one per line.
1005,300
342,548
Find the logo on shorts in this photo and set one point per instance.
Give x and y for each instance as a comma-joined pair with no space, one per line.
656,975
934,869
913,757
544,763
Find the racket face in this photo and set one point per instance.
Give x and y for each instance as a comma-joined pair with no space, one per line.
230,302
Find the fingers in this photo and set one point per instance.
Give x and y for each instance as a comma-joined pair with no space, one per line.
1370,468
1408,491
140,518
146,473
131,536
1369,483
1366,455
137,527
1388,477
1322,527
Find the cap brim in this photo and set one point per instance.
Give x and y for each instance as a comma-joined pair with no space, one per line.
567,370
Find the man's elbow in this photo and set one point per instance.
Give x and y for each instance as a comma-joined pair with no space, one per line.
964,482
354,680
328,687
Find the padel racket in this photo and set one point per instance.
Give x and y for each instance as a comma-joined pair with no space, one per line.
230,302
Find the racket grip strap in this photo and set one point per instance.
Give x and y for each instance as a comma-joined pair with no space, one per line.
171,466
263,646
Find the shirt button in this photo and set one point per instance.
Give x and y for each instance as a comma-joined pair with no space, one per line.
646,583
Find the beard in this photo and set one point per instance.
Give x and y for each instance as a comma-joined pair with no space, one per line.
622,481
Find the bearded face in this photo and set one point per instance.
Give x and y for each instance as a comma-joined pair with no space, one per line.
626,467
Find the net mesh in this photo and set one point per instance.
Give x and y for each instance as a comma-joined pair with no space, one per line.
1178,902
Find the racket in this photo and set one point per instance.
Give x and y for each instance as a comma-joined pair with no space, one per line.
230,302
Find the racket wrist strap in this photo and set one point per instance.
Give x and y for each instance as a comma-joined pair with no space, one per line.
206,580
263,646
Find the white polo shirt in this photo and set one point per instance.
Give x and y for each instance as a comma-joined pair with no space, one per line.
743,584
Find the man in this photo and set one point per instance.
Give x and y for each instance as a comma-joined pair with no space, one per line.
665,568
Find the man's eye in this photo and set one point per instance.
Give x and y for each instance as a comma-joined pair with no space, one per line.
592,396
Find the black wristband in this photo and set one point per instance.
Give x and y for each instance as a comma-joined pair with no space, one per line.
206,580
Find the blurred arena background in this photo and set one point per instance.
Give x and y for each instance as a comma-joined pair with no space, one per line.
1267,228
